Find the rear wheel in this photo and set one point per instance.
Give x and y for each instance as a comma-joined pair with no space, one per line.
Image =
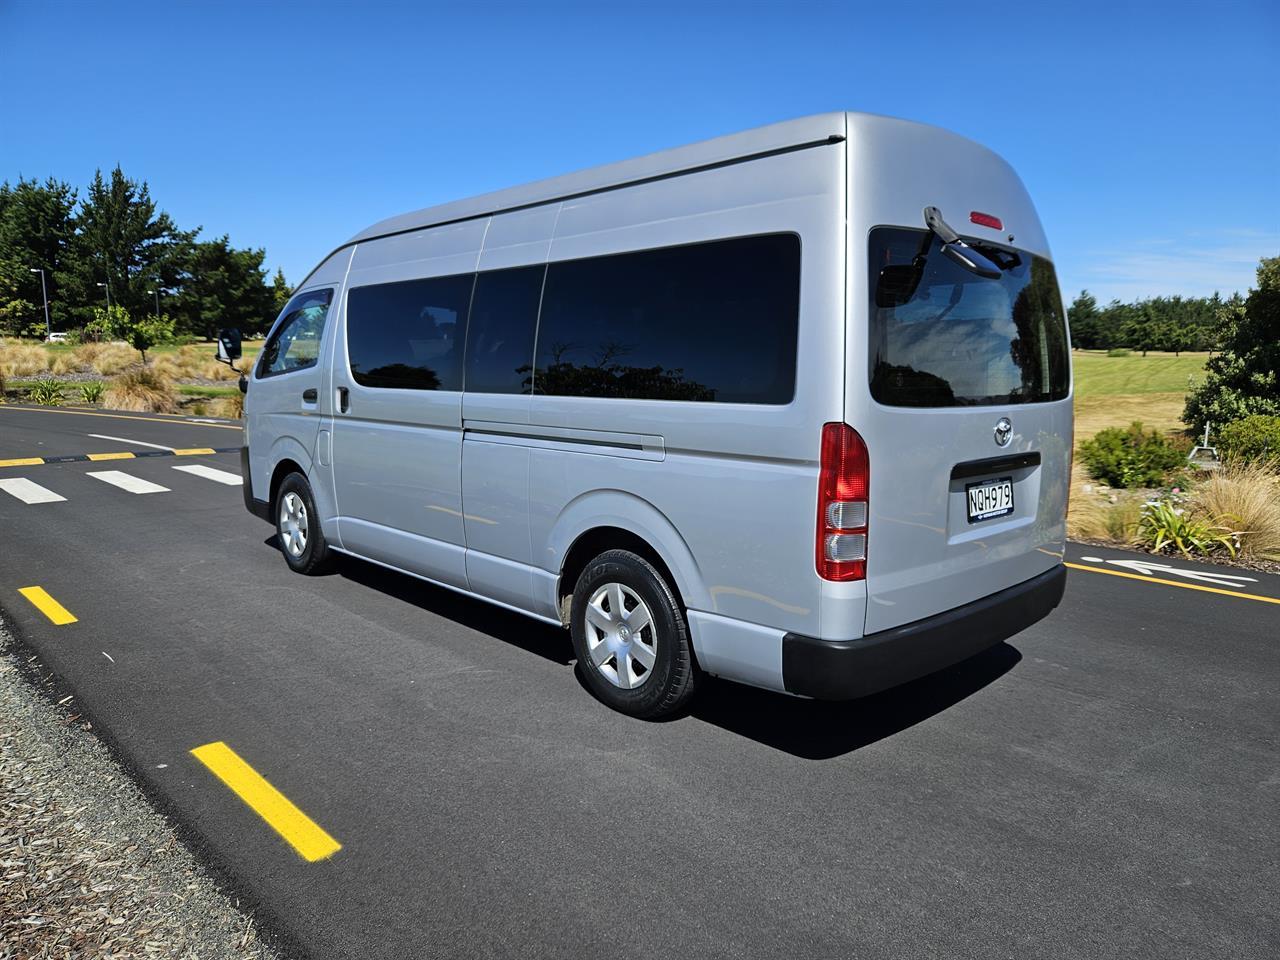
630,636
298,527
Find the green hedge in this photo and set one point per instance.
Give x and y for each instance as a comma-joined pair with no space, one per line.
1130,456
1253,439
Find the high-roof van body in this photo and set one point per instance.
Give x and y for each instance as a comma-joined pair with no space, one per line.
791,407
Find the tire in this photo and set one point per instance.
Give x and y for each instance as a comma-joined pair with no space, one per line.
644,665
298,527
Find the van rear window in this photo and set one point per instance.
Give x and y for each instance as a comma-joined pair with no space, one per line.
941,336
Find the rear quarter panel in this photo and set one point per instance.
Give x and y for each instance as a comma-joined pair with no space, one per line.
735,482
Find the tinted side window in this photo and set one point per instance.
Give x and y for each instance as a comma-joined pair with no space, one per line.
296,343
409,335
712,322
504,315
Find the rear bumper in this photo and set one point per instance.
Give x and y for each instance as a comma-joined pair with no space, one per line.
259,508
845,669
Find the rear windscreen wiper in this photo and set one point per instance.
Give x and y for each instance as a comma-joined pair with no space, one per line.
957,250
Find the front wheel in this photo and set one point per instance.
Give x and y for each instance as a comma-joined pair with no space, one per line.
298,527
630,636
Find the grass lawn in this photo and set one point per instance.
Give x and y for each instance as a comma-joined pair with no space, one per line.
1115,391
197,390
1098,375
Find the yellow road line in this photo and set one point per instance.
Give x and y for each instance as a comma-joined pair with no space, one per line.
110,456
50,607
121,416
300,831
22,462
1173,583
194,452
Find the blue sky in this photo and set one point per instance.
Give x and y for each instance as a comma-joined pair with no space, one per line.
1148,133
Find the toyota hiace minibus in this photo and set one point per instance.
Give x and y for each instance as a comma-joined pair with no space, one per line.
791,407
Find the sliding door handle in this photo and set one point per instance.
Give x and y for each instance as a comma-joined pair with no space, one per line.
344,399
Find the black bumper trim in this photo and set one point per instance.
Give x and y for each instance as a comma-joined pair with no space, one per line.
259,508
845,669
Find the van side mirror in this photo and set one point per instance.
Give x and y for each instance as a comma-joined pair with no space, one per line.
229,346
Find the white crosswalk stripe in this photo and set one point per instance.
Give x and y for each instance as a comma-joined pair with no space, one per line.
28,492
209,473
126,481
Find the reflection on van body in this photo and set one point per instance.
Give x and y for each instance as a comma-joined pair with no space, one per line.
721,409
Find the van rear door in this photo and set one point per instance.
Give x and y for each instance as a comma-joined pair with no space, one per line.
968,424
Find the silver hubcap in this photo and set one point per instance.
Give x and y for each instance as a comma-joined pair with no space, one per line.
621,641
293,524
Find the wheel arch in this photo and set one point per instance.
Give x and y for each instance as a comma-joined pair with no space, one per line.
611,519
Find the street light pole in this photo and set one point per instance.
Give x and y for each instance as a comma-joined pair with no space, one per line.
156,291
48,330
107,287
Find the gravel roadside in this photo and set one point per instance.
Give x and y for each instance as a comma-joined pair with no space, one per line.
88,869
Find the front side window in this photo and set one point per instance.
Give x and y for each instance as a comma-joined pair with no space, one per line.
409,335
710,322
942,336
295,345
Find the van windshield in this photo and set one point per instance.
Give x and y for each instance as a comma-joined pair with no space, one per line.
942,336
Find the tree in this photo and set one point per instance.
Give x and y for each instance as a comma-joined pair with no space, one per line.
1244,379
142,333
123,241
1083,317
224,287
36,232
280,290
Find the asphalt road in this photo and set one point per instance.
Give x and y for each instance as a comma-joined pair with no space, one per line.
1107,783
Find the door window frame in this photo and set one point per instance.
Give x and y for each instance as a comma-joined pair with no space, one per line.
260,371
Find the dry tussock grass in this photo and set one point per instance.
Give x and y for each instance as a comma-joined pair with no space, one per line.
22,359
105,359
1245,497
1099,513
142,390
63,362
230,407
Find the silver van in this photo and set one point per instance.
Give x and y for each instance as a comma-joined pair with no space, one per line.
791,407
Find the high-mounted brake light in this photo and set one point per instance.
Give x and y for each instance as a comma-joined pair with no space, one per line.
844,481
986,220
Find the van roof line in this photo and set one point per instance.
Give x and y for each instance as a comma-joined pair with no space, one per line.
776,138
735,147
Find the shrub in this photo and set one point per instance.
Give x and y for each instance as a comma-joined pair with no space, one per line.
1248,493
1165,524
142,390
1244,379
1254,439
1118,352
1130,456
91,391
47,393
142,332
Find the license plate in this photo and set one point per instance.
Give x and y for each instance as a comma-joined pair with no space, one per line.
989,499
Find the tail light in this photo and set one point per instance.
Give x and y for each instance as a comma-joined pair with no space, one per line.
844,481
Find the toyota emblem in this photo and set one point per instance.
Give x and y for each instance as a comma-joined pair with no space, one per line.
1004,432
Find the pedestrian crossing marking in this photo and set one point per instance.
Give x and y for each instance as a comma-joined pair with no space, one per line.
28,492
210,473
127,481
